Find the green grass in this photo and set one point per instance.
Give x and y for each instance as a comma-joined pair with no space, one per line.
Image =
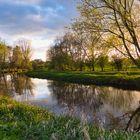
23,122
126,80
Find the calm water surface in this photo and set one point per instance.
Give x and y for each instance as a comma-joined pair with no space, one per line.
105,107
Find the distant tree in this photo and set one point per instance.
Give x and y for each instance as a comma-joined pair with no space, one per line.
126,63
3,54
89,43
59,60
10,53
118,62
25,46
80,64
102,60
66,53
75,49
17,57
38,64
90,63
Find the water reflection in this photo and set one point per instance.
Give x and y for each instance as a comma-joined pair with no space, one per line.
15,84
105,107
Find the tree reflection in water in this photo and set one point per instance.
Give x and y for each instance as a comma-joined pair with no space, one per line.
104,106
15,84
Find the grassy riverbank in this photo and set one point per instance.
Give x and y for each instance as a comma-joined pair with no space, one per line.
23,122
125,80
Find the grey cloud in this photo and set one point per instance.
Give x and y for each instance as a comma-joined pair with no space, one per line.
24,18
35,19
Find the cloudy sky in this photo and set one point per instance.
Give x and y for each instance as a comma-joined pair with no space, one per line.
41,21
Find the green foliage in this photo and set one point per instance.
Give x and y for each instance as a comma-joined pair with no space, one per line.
25,46
19,121
126,64
3,54
90,63
118,62
17,57
59,56
125,80
102,60
38,64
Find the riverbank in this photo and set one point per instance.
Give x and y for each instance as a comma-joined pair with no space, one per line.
24,122
13,71
124,80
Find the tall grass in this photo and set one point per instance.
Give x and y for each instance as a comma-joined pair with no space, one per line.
24,122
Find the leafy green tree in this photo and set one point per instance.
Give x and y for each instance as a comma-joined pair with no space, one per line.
118,62
3,54
59,59
17,57
126,63
25,47
38,64
67,53
90,63
102,61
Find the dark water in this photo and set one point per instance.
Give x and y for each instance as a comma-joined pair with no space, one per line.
106,107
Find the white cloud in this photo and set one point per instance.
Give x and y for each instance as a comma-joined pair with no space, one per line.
38,20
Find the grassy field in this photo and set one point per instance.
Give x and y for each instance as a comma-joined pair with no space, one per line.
23,122
125,80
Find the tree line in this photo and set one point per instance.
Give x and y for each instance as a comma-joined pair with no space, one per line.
70,53
15,57
105,33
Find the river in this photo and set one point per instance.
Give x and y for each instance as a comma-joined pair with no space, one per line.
104,107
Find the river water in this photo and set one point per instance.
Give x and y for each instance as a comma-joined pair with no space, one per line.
104,107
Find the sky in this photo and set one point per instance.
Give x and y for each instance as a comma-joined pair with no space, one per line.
40,21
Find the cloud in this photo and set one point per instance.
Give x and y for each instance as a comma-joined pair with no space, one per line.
35,19
21,18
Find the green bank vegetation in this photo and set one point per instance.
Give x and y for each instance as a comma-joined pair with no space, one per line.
20,121
126,80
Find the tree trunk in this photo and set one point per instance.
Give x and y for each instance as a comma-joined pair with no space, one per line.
93,68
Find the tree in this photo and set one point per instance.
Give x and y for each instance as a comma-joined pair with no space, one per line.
25,46
126,63
17,58
102,60
67,53
118,62
3,54
38,64
58,56
76,49
117,18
